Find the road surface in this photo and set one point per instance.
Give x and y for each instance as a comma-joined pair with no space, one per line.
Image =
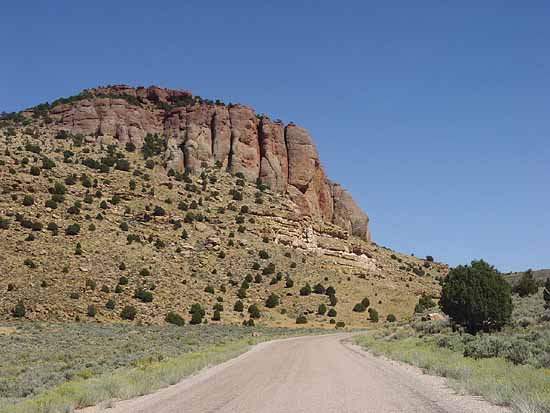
308,374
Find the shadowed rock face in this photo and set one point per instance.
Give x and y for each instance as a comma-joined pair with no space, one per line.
197,131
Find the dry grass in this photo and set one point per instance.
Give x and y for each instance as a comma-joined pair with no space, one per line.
180,269
143,375
524,388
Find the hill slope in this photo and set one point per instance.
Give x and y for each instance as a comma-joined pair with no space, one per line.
84,223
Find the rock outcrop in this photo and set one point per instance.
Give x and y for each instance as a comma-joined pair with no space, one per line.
199,131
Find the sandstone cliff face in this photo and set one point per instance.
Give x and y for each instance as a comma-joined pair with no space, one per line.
197,131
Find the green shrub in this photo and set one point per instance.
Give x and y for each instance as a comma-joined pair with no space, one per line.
477,297
301,319
122,165
373,315
196,318
37,226
239,307
322,309
144,296
340,324
19,310
359,308
123,226
59,189
197,308
74,296
391,318
174,318
263,255
319,288
216,316
272,301
128,312
35,170
73,229
366,302
305,290
330,291
92,311
254,311
527,285
289,283
110,305
486,346
159,211
28,200
209,289
4,223
332,312
425,302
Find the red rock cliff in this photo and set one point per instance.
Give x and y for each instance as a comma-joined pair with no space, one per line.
197,131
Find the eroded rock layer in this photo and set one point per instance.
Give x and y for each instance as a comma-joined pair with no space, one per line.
198,131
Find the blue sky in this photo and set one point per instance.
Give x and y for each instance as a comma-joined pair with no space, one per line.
434,114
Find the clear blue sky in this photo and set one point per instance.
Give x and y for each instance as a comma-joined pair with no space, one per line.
434,114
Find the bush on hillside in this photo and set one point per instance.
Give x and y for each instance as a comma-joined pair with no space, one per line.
174,318
128,313
527,285
373,315
272,301
301,319
254,311
425,302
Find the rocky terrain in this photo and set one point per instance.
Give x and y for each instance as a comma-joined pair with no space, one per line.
198,131
145,204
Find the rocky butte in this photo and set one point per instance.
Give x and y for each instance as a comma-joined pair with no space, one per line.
198,131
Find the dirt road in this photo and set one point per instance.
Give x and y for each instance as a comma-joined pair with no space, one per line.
309,374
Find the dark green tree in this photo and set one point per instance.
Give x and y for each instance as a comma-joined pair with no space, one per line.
527,285
476,297
254,311
239,307
272,301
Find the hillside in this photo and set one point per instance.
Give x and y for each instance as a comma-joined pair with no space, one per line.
95,219
539,275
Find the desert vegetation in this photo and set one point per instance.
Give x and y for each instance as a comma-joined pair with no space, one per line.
485,339
55,367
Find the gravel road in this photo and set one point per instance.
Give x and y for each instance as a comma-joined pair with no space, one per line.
307,374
